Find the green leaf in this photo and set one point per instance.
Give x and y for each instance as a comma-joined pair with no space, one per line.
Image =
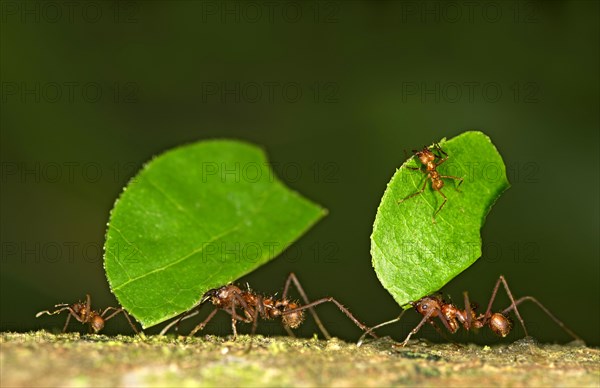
195,218
414,257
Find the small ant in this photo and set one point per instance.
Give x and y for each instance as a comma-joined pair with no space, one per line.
83,313
234,300
452,317
428,158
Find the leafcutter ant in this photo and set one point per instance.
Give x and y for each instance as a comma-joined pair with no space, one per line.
83,313
452,317
432,161
248,306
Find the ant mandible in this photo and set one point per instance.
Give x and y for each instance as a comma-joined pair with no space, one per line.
234,300
83,313
452,317
428,158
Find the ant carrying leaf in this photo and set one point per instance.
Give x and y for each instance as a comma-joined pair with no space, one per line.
248,306
452,317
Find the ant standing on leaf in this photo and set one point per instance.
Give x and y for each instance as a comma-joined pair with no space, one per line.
452,317
83,313
432,161
247,306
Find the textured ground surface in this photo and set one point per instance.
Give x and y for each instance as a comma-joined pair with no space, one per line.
43,359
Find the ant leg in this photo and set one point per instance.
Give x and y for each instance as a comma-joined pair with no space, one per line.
427,318
418,327
415,194
339,305
235,317
292,278
441,206
199,326
444,321
261,311
455,178
117,311
442,155
233,321
544,309
442,160
203,323
88,303
440,332
73,314
289,331
407,157
248,311
67,323
469,312
437,147
177,321
362,337
512,305
66,308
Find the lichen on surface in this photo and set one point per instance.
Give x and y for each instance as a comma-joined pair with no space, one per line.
44,359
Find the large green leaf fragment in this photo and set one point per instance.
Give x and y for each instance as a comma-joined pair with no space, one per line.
195,218
412,255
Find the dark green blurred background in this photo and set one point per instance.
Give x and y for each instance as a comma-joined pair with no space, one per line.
335,91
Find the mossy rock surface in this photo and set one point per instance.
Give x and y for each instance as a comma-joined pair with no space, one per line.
43,359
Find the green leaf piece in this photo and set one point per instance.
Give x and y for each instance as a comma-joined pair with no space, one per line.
414,257
195,218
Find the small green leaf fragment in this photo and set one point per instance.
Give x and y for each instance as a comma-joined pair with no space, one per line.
413,256
194,218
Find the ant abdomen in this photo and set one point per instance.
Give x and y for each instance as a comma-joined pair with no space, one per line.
500,324
97,323
293,319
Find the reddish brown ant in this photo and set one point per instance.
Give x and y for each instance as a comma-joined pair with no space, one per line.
247,306
83,313
452,317
432,161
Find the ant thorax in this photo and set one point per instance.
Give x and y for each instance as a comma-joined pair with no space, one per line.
425,156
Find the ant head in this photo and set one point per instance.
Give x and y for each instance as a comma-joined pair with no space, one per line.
500,324
222,295
425,155
428,303
80,309
209,294
97,323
